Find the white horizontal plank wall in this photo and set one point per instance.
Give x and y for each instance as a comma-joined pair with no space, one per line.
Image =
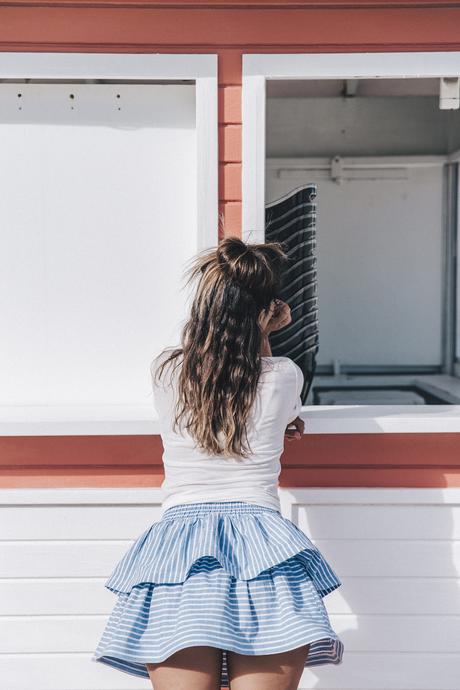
397,552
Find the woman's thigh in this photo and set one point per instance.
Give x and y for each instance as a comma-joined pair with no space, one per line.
267,672
192,668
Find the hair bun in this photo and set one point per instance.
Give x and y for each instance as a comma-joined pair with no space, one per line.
229,252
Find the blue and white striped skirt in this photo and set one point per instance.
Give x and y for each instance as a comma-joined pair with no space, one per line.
228,574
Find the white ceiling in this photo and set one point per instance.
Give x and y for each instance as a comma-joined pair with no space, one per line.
304,88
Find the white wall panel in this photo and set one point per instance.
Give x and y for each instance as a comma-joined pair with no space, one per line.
98,217
379,251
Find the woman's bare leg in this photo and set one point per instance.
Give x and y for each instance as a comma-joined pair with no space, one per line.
267,672
192,668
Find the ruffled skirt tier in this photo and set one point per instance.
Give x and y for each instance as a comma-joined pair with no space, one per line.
232,575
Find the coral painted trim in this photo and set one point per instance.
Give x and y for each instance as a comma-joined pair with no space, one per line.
360,460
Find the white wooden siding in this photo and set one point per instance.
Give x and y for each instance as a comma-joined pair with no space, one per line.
397,552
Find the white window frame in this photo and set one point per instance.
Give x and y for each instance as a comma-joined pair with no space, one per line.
202,68
257,69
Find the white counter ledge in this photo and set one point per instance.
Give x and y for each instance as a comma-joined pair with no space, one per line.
62,420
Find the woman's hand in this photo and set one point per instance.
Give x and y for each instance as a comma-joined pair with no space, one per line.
297,433
275,317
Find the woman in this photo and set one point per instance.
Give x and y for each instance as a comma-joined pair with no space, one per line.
223,589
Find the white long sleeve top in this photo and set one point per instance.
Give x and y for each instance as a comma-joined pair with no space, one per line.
194,476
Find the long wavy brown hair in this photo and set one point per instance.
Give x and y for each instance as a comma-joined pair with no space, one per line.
221,342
